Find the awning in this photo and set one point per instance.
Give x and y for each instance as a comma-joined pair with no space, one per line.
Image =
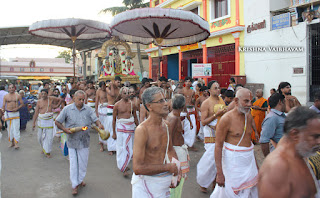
58,78
9,77
34,77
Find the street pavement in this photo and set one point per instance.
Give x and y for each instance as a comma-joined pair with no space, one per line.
26,173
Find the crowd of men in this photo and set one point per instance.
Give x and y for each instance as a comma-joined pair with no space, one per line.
157,123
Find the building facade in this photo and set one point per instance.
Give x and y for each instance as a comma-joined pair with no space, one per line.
227,33
39,68
281,43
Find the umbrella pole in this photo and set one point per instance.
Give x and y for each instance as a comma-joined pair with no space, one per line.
160,57
74,59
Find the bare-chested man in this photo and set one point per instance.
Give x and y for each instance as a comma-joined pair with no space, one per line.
190,134
153,149
211,110
113,90
134,97
204,94
91,95
291,101
11,115
145,84
178,105
124,123
237,172
163,81
45,122
286,172
103,111
56,111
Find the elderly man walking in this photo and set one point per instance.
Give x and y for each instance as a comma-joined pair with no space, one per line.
78,115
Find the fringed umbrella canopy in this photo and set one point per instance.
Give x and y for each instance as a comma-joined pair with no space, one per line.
70,28
161,26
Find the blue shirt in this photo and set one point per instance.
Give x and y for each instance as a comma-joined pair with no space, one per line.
315,109
272,126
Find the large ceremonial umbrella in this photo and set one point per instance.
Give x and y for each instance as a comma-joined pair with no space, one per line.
160,26
70,28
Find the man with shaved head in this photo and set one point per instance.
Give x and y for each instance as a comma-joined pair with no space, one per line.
234,155
259,108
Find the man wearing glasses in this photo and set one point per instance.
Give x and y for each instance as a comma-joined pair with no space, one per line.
124,123
153,150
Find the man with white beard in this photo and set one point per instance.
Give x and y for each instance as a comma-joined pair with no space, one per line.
286,172
237,172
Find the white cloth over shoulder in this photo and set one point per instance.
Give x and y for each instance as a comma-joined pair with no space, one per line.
156,186
240,172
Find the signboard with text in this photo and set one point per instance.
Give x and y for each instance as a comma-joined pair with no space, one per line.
201,70
281,21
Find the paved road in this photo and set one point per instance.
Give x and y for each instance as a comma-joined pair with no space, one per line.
27,173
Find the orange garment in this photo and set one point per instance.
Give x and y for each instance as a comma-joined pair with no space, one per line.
258,116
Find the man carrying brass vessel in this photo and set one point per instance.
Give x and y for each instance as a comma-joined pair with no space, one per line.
78,115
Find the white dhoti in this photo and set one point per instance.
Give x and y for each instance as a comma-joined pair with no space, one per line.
103,117
206,168
190,134
78,165
156,186
45,131
111,143
240,172
125,130
91,103
13,125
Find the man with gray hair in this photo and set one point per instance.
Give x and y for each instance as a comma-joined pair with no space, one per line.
286,172
234,155
178,105
78,115
153,150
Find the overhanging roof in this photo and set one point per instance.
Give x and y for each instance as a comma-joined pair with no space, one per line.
20,35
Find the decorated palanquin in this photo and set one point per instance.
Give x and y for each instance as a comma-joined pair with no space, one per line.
116,61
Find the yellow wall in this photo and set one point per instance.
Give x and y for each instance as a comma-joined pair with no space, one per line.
213,41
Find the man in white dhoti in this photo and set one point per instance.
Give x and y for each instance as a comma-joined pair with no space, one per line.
190,132
174,119
206,168
237,173
78,115
56,111
153,149
91,95
44,114
12,116
124,123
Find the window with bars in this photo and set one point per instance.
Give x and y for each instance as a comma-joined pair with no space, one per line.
89,68
314,70
156,3
219,8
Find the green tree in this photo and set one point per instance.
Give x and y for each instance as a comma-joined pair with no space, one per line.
66,54
129,5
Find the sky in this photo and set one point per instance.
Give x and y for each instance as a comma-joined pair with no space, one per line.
15,13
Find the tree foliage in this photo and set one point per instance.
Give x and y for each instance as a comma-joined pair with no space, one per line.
128,5
66,54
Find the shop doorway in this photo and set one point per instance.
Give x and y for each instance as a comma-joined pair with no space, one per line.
173,66
190,66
